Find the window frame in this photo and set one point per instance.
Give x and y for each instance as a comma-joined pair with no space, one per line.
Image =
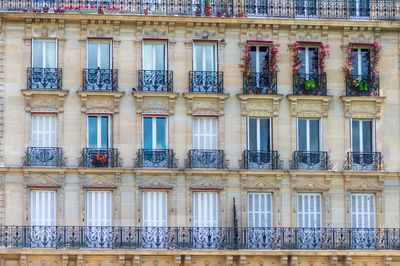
303,213
308,133
109,222
53,202
257,52
359,49
306,63
361,132
260,212
42,131
153,42
197,214
165,204
363,213
98,130
258,132
99,40
154,130
216,118
204,44
44,49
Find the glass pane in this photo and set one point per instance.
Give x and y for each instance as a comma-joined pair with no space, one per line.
263,55
105,55
161,134
367,136
302,135
314,135
92,134
355,138
37,54
92,55
312,60
148,57
253,134
148,133
51,55
198,59
365,61
302,69
160,57
104,132
210,58
253,60
354,53
264,134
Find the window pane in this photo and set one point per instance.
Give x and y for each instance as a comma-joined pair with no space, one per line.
198,59
148,133
302,135
51,54
355,138
263,52
355,62
314,135
264,134
92,55
148,57
161,134
105,55
37,54
302,69
312,60
253,60
104,132
160,56
365,61
92,134
210,56
253,134
367,136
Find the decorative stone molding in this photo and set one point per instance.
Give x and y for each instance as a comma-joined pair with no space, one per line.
260,184
206,183
259,105
36,100
205,30
44,181
100,28
362,107
308,33
309,106
100,101
44,28
155,29
155,102
363,185
310,185
101,182
256,32
200,103
155,182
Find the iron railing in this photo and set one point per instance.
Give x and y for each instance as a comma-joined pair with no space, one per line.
155,80
100,157
260,83
100,79
182,238
44,78
388,10
362,85
364,161
214,159
162,158
260,160
309,84
310,160
44,157
206,81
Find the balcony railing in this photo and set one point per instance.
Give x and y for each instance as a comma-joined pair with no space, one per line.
100,79
44,157
155,80
364,161
155,158
214,159
100,158
206,82
362,85
183,238
388,10
260,160
259,83
309,84
310,160
44,78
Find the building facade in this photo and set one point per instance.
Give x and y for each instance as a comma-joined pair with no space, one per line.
200,133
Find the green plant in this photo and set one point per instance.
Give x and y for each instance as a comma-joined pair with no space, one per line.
309,85
363,86
207,2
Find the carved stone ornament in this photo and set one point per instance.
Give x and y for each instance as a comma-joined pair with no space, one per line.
44,100
44,181
100,28
364,185
311,185
95,101
205,30
206,183
309,106
260,184
259,105
155,103
44,28
205,103
155,182
100,182
362,107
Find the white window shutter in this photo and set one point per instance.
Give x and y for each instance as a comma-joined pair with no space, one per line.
43,207
155,208
205,133
44,130
363,214
260,210
309,210
205,209
99,208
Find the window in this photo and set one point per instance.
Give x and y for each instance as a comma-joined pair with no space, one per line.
99,131
43,207
359,8
205,209
99,208
306,8
363,211
361,62
309,214
99,54
259,134
259,210
154,55
154,133
205,133
155,210
204,56
308,135
259,56
362,136
309,58
44,53
44,130
257,7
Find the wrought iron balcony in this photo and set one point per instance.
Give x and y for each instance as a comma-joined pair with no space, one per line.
310,160
155,80
309,84
260,160
364,161
206,159
155,158
44,78
206,81
179,238
362,85
100,79
100,158
259,83
44,157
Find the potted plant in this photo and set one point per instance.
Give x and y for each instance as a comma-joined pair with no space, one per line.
100,9
207,8
25,10
198,12
146,11
309,86
46,9
363,86
99,161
